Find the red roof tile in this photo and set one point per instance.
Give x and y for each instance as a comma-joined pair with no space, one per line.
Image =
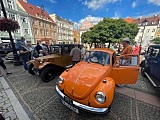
34,10
129,19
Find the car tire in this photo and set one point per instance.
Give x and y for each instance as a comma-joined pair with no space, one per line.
143,71
47,74
30,67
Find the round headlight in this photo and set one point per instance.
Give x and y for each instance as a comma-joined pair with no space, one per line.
41,60
100,97
60,80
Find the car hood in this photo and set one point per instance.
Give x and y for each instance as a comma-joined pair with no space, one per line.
83,78
48,56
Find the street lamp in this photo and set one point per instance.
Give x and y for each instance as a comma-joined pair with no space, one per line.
16,57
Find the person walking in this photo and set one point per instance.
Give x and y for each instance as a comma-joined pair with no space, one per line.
83,50
136,49
75,54
3,66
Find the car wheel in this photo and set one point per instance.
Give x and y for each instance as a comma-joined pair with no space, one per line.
143,71
30,69
47,74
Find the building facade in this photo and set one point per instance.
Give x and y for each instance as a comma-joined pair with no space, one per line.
15,13
86,25
64,30
147,29
76,36
42,26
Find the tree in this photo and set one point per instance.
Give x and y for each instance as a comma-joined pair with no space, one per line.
156,40
110,31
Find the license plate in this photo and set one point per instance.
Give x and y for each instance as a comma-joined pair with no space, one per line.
68,100
70,107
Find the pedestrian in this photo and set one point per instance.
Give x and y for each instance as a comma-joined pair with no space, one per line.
75,54
136,49
3,66
30,48
38,48
127,49
83,50
24,53
45,49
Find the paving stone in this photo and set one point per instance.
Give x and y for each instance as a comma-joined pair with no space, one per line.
10,113
6,105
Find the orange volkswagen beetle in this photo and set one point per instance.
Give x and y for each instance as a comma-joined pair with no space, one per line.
90,84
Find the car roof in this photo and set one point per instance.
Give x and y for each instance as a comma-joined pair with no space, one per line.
104,50
155,46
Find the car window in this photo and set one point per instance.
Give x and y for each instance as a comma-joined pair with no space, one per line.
155,52
55,49
149,51
97,57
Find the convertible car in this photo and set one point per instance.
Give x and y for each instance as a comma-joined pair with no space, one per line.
90,84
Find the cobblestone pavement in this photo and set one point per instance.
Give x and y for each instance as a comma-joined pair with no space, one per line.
41,102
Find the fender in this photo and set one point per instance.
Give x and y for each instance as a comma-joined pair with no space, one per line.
30,61
107,86
44,64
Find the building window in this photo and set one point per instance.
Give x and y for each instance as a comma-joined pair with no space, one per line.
151,37
51,26
41,31
36,31
153,30
46,32
34,22
40,24
12,16
26,31
148,30
24,20
10,5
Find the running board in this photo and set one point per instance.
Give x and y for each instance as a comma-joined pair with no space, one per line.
151,80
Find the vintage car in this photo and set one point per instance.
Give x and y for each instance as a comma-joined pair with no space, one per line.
90,84
151,64
48,66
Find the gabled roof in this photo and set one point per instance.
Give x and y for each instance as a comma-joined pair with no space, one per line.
129,19
86,25
34,10
150,20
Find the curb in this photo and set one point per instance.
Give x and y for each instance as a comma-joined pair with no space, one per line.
20,112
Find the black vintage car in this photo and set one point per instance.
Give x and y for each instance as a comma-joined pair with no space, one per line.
150,67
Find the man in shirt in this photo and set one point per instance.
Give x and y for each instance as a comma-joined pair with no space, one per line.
75,54
127,49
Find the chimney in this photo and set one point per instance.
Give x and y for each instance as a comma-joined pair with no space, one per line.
155,15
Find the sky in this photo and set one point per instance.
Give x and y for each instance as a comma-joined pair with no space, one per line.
78,11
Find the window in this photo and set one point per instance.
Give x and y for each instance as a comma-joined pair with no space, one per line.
153,30
34,22
24,20
41,31
155,52
51,26
26,31
10,5
151,37
12,16
40,24
46,32
148,30
36,31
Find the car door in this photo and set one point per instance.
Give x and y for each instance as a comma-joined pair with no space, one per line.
125,74
156,63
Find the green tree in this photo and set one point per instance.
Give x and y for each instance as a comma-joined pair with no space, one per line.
156,40
110,31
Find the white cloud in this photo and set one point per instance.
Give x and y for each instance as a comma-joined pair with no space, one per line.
147,15
155,2
116,16
53,1
96,4
93,20
134,4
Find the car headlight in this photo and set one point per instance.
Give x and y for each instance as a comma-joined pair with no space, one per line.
100,97
41,61
60,80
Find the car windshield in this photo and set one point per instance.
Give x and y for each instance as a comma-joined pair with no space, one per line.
55,49
97,57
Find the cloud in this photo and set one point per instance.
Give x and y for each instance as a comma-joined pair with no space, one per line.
52,1
134,4
96,4
147,15
116,16
93,20
155,2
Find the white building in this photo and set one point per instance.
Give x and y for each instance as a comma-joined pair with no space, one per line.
147,29
15,13
64,29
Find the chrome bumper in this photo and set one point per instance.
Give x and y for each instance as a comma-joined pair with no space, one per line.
83,107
